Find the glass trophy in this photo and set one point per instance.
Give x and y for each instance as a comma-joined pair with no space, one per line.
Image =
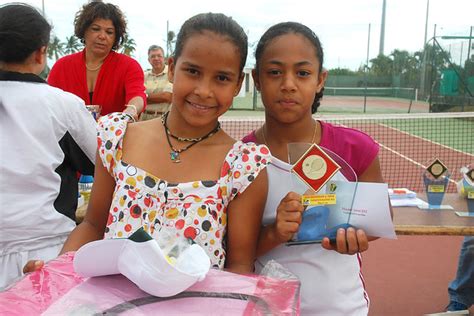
327,185
94,110
436,179
466,189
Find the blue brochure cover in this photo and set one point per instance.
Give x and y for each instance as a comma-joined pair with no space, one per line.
328,208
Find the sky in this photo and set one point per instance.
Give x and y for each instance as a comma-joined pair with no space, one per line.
342,25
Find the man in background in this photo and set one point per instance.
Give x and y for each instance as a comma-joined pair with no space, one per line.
158,88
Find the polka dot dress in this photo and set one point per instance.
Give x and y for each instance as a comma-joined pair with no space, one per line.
195,210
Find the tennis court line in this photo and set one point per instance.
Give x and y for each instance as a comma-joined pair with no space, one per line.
394,151
426,140
408,159
423,139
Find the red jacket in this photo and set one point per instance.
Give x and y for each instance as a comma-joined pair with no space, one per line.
120,79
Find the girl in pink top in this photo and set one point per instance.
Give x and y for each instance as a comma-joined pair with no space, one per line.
290,77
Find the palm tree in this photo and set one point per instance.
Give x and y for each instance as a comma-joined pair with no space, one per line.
55,48
72,45
401,61
128,46
381,65
170,40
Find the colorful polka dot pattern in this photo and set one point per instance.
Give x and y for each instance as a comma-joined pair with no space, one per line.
195,210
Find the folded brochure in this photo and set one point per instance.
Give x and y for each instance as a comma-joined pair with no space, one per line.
362,205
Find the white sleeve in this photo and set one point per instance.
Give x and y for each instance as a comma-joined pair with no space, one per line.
82,126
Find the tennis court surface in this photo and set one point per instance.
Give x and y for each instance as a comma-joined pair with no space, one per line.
408,142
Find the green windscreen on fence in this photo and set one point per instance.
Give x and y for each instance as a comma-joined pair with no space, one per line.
389,92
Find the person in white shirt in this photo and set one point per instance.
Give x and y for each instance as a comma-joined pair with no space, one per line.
47,136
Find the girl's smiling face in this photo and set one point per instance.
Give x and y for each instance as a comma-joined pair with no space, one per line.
289,77
206,77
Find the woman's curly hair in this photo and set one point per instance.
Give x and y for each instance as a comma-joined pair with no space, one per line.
100,10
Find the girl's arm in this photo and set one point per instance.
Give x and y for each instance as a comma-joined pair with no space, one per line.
244,217
93,225
373,173
287,223
134,89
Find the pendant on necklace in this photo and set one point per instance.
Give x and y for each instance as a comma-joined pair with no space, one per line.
174,156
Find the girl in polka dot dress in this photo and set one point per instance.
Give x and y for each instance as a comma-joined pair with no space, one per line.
182,175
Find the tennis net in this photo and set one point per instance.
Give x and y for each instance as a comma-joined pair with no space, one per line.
408,142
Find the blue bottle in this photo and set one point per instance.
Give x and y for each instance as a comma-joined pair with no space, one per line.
85,187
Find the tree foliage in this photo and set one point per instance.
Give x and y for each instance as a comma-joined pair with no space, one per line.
72,45
381,66
407,67
129,46
170,41
55,48
342,72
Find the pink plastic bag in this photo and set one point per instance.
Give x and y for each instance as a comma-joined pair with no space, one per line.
56,289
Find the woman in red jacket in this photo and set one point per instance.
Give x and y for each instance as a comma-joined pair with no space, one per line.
98,74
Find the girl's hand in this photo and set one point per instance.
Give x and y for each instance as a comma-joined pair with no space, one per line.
288,219
348,241
33,265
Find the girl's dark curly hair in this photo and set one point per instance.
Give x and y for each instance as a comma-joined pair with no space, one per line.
100,10
296,28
